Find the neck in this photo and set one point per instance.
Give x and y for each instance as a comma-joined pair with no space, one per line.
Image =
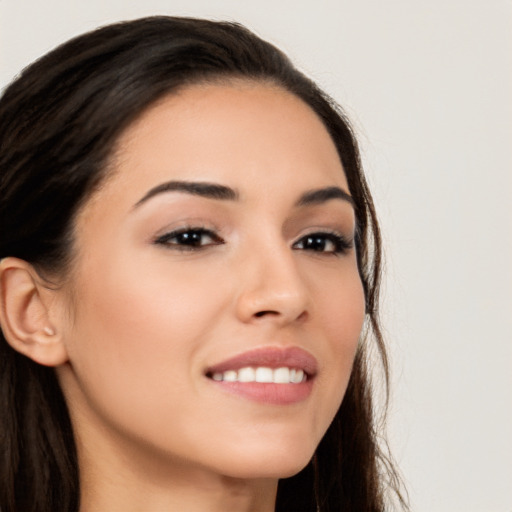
114,476
119,493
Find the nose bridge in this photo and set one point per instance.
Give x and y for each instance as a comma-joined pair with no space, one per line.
271,283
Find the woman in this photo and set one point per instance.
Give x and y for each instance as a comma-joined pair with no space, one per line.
189,278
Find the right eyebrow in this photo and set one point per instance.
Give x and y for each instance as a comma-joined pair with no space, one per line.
196,188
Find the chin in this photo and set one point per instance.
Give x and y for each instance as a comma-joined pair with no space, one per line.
274,463
276,471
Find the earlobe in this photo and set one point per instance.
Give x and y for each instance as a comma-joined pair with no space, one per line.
25,314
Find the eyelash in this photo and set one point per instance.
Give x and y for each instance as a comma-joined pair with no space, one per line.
191,238
340,244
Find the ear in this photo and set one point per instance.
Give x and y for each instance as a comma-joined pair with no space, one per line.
26,311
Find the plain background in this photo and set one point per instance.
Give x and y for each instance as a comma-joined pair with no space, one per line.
428,87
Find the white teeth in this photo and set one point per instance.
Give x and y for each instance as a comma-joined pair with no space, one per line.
262,374
246,375
230,376
282,375
298,377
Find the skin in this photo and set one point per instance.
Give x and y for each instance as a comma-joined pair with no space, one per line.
141,321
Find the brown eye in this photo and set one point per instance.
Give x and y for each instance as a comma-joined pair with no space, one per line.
330,243
189,239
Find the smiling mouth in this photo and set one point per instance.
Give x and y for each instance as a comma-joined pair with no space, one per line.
261,374
267,375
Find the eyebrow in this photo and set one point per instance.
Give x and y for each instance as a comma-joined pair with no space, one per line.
224,193
323,195
196,188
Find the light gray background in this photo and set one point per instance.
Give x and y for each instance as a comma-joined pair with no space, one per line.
428,86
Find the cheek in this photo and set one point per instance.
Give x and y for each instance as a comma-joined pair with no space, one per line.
339,304
135,334
345,313
146,305
341,314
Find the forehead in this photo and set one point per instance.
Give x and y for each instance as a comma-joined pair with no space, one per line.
241,134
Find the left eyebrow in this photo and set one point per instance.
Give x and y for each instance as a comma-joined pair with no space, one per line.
322,195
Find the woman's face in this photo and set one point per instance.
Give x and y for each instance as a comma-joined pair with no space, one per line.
218,254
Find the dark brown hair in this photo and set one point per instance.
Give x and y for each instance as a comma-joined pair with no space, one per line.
59,122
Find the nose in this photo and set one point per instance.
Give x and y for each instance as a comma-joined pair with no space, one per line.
272,288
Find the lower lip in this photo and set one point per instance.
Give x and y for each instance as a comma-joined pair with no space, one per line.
268,393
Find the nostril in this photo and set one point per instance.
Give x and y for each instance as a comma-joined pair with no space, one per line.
263,313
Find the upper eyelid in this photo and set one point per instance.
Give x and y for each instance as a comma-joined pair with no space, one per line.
327,231
180,227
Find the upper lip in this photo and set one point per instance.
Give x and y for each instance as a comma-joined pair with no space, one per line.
271,357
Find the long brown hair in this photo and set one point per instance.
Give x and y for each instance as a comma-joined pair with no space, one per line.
59,122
